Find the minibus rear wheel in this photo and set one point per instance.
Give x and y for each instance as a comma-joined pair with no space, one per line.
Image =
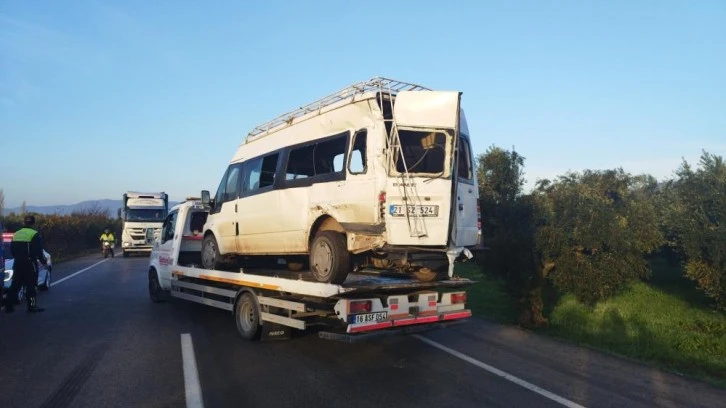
329,257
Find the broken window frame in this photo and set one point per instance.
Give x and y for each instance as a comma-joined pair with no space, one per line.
339,175
363,152
257,164
448,155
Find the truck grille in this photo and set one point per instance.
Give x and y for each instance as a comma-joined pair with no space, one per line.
140,233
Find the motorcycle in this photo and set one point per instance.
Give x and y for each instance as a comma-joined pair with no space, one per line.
107,249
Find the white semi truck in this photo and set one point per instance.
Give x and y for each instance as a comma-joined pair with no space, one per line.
267,302
141,212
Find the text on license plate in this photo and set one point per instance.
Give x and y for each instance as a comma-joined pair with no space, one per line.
370,317
421,210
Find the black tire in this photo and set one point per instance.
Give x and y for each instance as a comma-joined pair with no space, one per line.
247,317
211,258
156,293
329,257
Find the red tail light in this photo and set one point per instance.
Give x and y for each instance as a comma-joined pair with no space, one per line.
382,197
360,306
458,298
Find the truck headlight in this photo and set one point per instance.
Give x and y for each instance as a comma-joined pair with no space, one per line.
8,275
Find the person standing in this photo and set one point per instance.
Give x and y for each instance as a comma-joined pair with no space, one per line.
27,250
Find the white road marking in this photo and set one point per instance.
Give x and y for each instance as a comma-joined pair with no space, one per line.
191,376
500,373
76,273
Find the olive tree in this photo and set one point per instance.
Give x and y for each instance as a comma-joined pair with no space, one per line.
594,229
508,229
697,216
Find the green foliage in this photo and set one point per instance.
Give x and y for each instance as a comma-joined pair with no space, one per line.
649,324
697,221
67,235
488,297
508,230
500,175
595,228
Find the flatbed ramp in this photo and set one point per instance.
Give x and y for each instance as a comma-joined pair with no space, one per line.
302,283
367,305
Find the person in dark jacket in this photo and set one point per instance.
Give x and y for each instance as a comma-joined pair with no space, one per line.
27,250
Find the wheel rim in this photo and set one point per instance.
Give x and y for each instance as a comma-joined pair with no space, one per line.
247,317
209,254
323,258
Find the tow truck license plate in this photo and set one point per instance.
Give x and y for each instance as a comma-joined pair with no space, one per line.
421,210
370,317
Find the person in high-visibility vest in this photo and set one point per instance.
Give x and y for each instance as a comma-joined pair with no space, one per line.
108,236
27,250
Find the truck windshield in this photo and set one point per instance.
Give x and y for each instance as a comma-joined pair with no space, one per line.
422,152
145,215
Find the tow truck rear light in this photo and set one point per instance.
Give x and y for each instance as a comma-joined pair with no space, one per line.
360,306
382,197
457,298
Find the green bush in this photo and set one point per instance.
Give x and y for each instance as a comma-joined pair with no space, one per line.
697,219
66,236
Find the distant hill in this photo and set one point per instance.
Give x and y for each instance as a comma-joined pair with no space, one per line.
101,205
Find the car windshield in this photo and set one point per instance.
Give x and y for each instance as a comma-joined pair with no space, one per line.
6,251
145,215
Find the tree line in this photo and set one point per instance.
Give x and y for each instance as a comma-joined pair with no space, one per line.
591,233
65,236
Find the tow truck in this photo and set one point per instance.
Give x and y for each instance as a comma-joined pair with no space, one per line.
268,300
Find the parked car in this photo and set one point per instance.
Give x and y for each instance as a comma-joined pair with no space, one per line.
44,273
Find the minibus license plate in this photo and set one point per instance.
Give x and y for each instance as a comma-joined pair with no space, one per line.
421,210
370,317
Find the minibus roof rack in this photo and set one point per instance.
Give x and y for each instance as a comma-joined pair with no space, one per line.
372,85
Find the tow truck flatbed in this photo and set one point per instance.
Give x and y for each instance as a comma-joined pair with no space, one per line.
267,302
302,283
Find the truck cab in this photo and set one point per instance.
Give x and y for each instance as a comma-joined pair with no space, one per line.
141,212
180,239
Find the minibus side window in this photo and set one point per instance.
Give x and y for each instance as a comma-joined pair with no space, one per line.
219,196
260,172
317,162
464,169
357,163
325,154
299,165
230,191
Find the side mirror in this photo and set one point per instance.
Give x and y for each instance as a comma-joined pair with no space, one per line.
149,235
119,213
205,197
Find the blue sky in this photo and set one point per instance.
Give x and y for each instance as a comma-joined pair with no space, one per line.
107,96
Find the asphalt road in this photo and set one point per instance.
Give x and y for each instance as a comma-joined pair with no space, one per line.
102,343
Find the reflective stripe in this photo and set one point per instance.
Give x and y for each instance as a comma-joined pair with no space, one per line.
24,235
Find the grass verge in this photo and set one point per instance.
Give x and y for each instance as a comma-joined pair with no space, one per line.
649,324
666,323
488,297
